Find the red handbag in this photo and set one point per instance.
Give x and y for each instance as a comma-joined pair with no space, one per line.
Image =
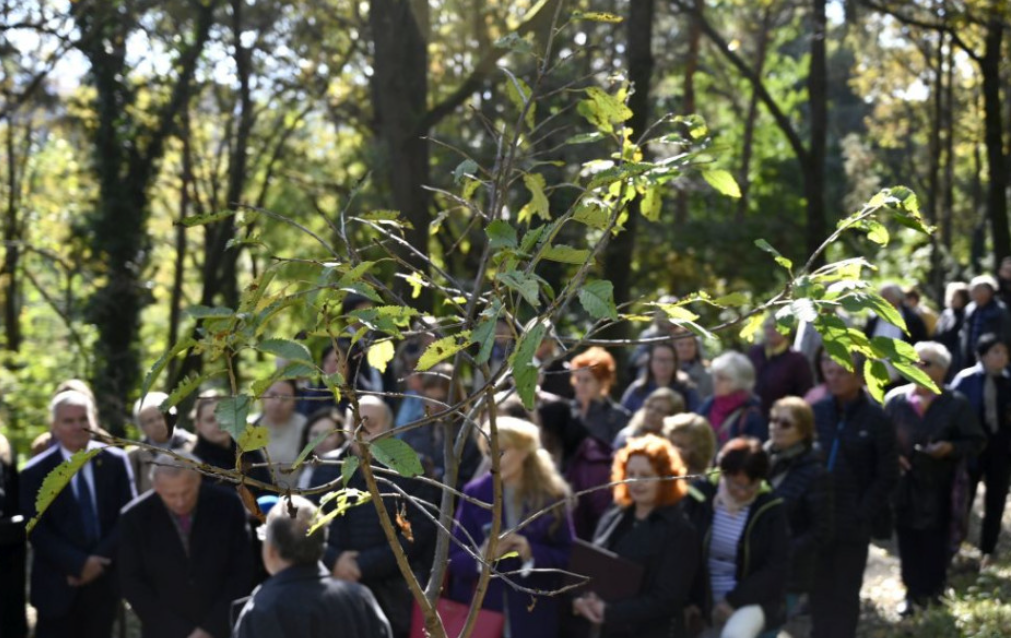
489,624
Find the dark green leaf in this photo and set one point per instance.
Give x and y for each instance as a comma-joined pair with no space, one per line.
566,254
484,334
309,447
522,283
348,468
585,138
514,42
525,371
780,259
597,298
286,349
501,235
205,312
209,218
233,414
398,456
463,169
860,301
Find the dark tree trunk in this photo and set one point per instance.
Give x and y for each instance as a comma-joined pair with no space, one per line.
400,90
747,147
691,67
814,183
948,196
619,253
12,247
125,171
176,298
990,66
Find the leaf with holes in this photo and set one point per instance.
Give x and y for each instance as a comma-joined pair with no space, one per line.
254,437
442,349
56,480
398,456
597,298
651,203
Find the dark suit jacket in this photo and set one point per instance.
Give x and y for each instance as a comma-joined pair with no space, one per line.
172,592
304,601
59,549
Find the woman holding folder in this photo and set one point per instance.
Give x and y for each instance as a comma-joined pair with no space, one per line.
646,527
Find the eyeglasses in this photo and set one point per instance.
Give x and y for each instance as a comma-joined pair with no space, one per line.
786,424
925,364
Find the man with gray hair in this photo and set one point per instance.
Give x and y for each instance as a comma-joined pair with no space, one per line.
186,552
302,599
159,433
73,586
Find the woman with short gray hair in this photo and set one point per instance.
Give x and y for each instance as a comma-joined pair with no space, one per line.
734,409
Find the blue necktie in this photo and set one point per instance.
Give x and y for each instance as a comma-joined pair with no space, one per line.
89,515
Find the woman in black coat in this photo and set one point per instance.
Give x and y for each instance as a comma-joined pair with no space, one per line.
647,526
742,588
798,476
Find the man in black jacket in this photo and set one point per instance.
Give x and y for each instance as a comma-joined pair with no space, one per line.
13,548
185,554
301,599
857,441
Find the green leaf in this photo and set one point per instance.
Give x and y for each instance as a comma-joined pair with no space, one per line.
566,254
597,16
877,233
530,238
519,93
514,42
522,360
651,204
538,203
380,354
162,362
780,259
603,110
522,283
501,235
916,375
291,370
398,456
734,299
348,468
593,213
345,500
835,339
463,169
232,414
286,349
333,382
597,298
441,350
484,334
723,182
254,437
209,218
585,138
56,480
860,301
877,378
309,447
205,312
186,387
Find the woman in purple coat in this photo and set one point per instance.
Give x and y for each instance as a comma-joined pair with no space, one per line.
530,483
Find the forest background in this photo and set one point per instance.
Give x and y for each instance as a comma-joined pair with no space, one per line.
119,119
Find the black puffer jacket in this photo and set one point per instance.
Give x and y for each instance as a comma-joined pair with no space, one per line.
763,553
799,478
864,468
923,498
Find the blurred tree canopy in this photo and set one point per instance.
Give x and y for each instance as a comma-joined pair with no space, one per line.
120,119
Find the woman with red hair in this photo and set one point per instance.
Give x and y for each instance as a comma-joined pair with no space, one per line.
646,526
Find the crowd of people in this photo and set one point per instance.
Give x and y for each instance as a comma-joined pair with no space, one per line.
740,492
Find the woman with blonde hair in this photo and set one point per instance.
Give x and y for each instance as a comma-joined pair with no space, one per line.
694,439
531,483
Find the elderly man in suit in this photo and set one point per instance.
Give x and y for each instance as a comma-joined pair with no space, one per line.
185,554
73,586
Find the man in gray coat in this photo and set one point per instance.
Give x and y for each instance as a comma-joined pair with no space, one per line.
301,599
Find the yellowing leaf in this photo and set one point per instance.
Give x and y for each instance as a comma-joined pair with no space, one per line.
253,438
723,182
651,204
603,110
538,204
442,349
380,354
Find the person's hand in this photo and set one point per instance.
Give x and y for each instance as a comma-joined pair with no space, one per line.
938,449
722,612
589,606
515,543
904,464
693,620
94,567
346,567
199,633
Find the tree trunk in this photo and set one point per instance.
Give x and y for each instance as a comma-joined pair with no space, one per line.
990,66
691,67
749,123
400,90
12,247
948,195
814,183
620,250
175,300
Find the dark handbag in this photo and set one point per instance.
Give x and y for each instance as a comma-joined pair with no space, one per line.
489,624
